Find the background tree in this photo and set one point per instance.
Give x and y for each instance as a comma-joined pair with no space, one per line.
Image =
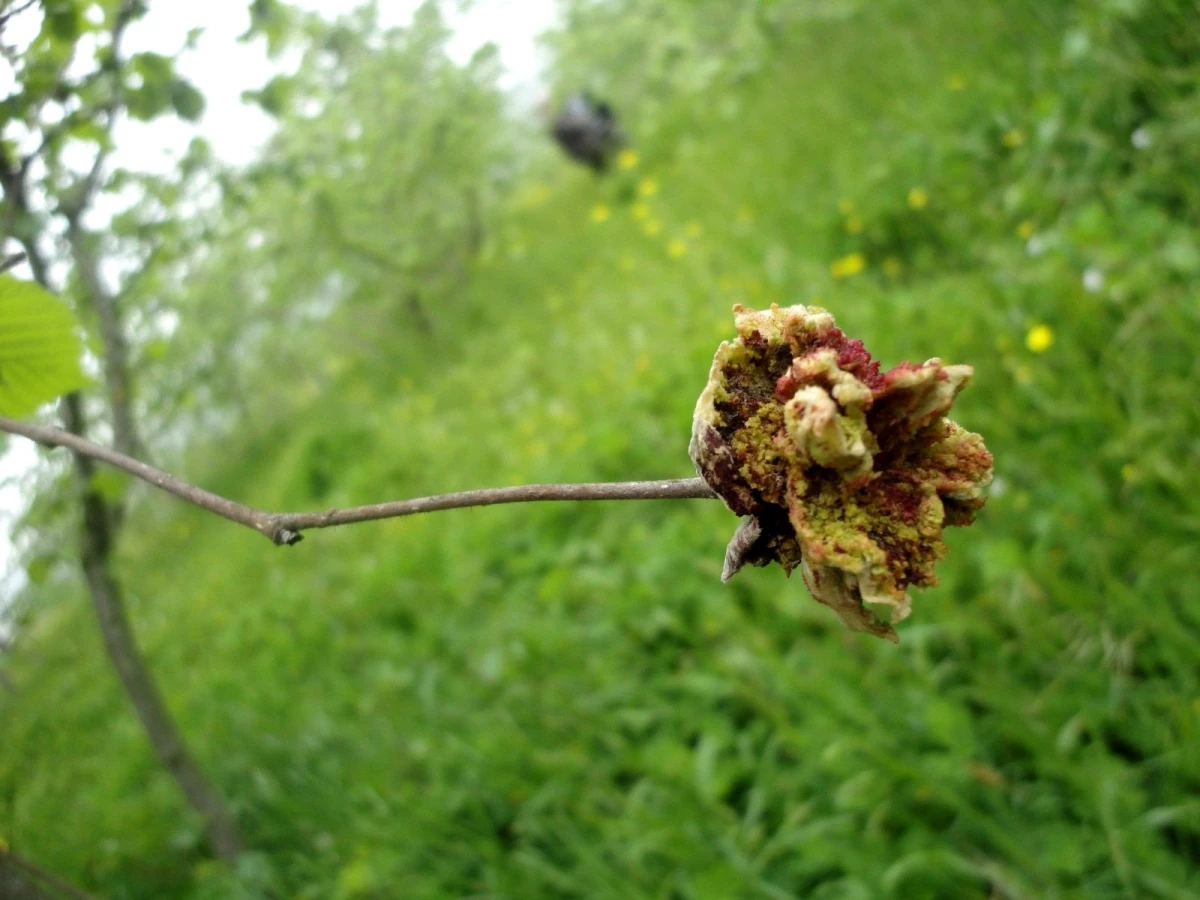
47,200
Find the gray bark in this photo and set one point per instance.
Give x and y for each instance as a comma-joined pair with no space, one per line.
96,541
105,306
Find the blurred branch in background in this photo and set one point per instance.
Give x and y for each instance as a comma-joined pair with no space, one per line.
22,879
285,528
38,187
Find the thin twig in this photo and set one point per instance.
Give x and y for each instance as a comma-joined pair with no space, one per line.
12,261
14,11
285,528
73,211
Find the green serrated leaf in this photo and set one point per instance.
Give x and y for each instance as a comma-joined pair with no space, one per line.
39,347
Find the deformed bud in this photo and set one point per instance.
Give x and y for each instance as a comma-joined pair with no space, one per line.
844,471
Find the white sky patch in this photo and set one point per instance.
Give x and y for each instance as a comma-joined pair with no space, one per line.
222,68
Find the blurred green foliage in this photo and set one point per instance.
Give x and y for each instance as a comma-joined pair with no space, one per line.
563,701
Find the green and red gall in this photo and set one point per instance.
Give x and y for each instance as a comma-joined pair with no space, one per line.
839,469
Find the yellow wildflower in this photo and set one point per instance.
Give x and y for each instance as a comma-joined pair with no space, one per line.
845,206
600,213
676,248
648,187
1039,338
848,265
892,267
641,211
745,215
627,159
917,198
652,228
1013,138
1129,471
956,82
693,230
854,225
1025,230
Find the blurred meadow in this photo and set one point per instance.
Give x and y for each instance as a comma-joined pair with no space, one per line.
413,291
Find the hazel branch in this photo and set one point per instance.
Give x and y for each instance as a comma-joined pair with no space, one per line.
285,528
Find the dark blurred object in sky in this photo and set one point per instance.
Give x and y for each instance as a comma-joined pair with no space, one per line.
587,130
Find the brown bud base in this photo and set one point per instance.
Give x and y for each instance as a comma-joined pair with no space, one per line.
844,471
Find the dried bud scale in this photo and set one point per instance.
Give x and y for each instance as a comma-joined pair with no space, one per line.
845,472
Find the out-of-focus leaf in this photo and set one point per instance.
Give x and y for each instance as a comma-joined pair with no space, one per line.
186,100
89,131
39,347
37,569
152,66
261,13
273,97
156,92
269,18
64,20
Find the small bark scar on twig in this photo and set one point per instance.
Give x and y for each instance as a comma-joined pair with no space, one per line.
279,534
285,537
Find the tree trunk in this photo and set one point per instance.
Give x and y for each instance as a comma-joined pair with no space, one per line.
108,601
101,519
112,337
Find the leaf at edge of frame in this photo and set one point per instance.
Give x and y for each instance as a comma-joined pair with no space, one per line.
39,347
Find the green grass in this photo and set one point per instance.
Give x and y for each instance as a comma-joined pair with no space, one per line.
564,701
